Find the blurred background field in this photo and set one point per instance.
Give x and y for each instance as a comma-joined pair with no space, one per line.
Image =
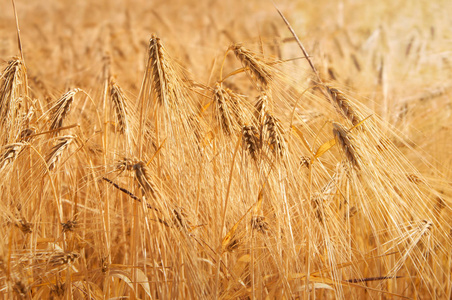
248,226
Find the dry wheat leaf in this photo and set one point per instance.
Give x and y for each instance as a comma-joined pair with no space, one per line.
324,148
143,281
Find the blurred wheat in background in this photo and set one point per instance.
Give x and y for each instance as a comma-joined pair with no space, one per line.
190,150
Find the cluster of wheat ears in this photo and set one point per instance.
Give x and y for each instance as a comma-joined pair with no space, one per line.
256,185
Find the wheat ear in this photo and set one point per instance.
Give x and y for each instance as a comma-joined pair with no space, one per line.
9,154
119,104
12,91
343,138
276,140
55,153
163,75
261,107
251,142
344,106
143,177
61,109
223,115
258,69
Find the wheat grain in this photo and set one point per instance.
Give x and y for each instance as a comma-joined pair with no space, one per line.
21,289
305,161
317,202
125,164
233,244
70,225
259,224
26,135
24,226
62,258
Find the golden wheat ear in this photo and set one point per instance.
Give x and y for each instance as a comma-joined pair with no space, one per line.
164,82
258,69
13,92
251,142
344,107
223,112
61,144
9,153
343,138
274,132
261,107
119,103
143,177
61,109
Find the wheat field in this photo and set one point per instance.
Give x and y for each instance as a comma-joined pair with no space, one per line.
225,150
